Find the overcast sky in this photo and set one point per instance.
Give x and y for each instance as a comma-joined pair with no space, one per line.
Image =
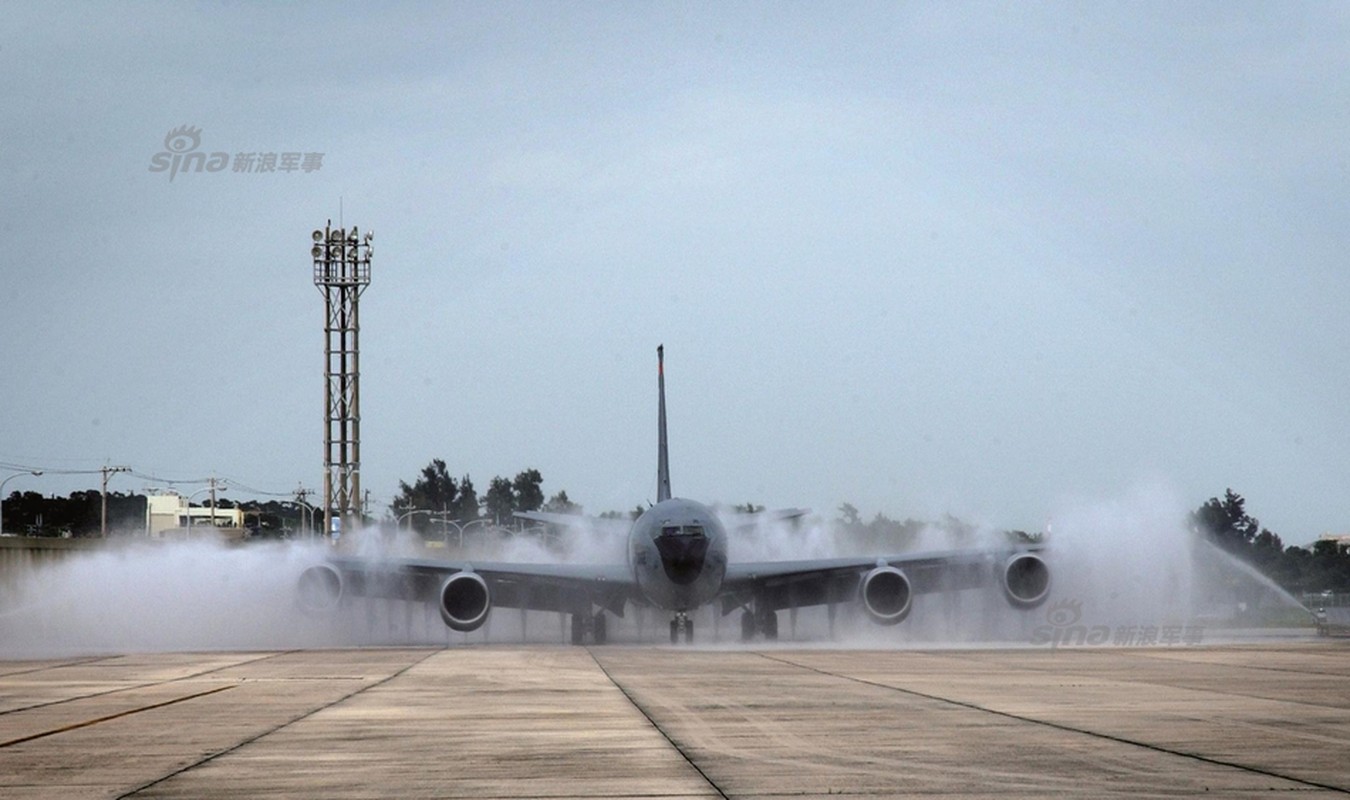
980,259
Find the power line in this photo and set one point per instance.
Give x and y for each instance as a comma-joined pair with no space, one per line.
170,481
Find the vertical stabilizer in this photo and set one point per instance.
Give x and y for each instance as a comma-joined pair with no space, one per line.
662,452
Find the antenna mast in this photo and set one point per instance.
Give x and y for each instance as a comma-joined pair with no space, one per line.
341,273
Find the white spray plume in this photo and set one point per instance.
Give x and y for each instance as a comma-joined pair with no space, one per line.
1116,564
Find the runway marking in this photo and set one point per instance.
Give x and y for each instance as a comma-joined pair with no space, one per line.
1061,726
118,715
652,721
132,687
250,740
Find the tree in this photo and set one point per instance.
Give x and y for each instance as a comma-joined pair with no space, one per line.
848,515
1226,522
560,504
528,495
434,490
466,506
500,500
630,515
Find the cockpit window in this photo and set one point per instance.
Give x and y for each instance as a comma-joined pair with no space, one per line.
682,530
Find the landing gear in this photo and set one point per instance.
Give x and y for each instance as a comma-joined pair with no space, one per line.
765,622
768,624
681,625
597,625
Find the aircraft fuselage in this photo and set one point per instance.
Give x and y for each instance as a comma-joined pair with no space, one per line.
677,551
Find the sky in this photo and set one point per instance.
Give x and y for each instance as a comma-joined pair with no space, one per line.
981,259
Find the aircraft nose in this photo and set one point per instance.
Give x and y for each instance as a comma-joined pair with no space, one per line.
682,556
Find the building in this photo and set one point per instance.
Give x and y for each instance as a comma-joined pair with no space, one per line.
169,516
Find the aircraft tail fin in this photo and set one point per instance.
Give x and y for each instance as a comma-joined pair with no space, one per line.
662,450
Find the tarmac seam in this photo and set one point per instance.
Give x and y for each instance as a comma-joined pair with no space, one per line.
1152,657
133,687
274,729
1152,660
1063,727
118,715
652,721
77,663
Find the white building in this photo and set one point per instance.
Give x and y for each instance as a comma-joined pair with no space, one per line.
168,516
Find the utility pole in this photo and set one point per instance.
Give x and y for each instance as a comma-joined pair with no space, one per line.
108,472
213,500
300,494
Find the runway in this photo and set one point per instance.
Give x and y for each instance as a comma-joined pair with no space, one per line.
561,722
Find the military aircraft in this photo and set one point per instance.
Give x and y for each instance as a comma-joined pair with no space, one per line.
677,562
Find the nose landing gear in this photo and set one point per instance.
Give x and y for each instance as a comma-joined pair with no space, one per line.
681,625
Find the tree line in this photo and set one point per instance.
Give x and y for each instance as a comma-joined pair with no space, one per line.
1225,522
437,495
80,514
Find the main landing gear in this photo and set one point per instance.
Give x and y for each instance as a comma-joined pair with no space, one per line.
765,622
597,625
681,625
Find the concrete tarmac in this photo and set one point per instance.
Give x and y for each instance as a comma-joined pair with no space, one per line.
562,722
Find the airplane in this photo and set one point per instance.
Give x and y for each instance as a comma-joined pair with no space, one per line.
677,562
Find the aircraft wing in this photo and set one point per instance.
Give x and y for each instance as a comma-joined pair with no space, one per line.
759,517
536,587
788,584
618,527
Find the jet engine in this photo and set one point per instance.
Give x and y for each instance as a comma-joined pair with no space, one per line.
1026,580
465,601
319,589
885,595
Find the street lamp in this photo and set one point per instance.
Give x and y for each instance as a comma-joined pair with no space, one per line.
306,529
33,472
399,522
464,526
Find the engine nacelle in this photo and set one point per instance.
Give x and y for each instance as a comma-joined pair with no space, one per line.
1026,580
319,589
465,601
885,595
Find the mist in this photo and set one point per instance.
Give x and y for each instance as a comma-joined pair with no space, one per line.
1123,572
